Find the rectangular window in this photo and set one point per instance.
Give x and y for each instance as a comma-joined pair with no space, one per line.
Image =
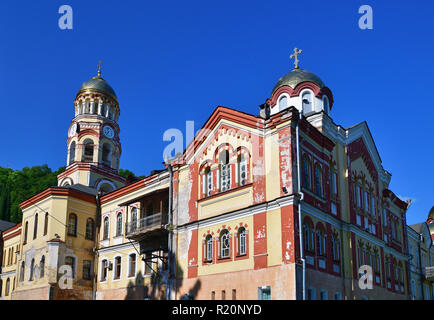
87,269
132,265
104,270
311,294
234,294
324,295
223,295
70,261
212,295
264,293
118,264
148,264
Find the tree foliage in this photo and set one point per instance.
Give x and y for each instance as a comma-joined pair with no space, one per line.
19,185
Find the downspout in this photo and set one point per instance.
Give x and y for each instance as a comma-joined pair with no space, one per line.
408,284
171,254
420,267
95,250
301,196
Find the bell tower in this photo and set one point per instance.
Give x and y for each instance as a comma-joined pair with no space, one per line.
94,147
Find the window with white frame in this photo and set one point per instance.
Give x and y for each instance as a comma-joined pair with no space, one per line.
117,266
207,182
307,102
242,170
106,228
208,248
104,267
283,103
224,244
132,265
241,241
225,171
119,224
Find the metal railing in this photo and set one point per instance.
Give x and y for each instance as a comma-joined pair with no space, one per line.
146,223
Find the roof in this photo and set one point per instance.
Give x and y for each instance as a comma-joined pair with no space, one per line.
4,225
97,84
417,227
297,76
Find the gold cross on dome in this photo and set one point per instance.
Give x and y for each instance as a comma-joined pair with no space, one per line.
295,55
99,68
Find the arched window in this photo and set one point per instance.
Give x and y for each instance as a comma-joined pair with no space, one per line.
307,180
42,267
90,229
46,224
283,103
72,152
88,147
104,267
318,181
72,225
107,154
335,248
208,248
308,238
207,182
242,170
22,270
26,229
35,227
225,171
307,102
8,284
224,244
106,228
32,269
321,242
119,224
241,241
132,265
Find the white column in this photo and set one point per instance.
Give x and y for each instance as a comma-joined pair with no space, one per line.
107,110
99,107
92,106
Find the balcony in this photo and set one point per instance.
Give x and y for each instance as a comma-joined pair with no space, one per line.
136,229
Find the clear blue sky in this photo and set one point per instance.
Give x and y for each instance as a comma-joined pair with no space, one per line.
172,61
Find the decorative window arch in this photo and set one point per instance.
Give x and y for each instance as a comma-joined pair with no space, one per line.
241,241
72,152
307,176
225,244
318,179
307,101
209,248
119,224
106,228
90,229
283,102
88,150
35,227
72,224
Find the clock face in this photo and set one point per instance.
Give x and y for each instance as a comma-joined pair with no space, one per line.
73,130
108,132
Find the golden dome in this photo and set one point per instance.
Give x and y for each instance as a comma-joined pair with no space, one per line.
97,84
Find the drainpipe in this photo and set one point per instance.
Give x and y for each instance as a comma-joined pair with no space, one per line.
420,265
171,254
301,196
95,250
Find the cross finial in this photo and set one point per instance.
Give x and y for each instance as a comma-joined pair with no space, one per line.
99,68
295,55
